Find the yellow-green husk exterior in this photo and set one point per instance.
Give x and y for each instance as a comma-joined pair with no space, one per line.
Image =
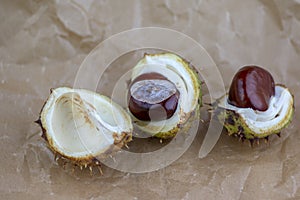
236,124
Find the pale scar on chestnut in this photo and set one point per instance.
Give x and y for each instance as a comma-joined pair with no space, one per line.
152,97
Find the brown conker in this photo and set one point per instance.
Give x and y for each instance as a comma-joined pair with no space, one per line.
152,97
252,87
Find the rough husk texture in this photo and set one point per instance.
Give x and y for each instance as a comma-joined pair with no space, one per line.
183,127
235,124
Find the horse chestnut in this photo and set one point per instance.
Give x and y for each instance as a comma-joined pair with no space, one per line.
252,87
152,97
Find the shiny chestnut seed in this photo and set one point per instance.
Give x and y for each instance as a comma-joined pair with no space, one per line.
252,87
149,76
152,97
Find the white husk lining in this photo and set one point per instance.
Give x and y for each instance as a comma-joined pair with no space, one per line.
86,140
280,108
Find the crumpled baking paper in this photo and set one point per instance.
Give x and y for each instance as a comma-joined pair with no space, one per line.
43,43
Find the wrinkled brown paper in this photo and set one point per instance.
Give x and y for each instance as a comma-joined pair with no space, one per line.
42,44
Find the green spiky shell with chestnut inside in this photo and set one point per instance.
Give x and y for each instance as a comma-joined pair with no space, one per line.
248,124
185,77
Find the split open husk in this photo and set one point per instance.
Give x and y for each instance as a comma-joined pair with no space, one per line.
247,123
184,76
83,127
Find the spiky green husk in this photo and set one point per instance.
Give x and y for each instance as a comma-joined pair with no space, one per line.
184,127
187,119
236,126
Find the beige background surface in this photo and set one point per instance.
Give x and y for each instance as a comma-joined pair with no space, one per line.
42,44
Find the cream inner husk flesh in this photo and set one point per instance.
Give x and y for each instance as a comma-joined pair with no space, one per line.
280,106
81,123
175,70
